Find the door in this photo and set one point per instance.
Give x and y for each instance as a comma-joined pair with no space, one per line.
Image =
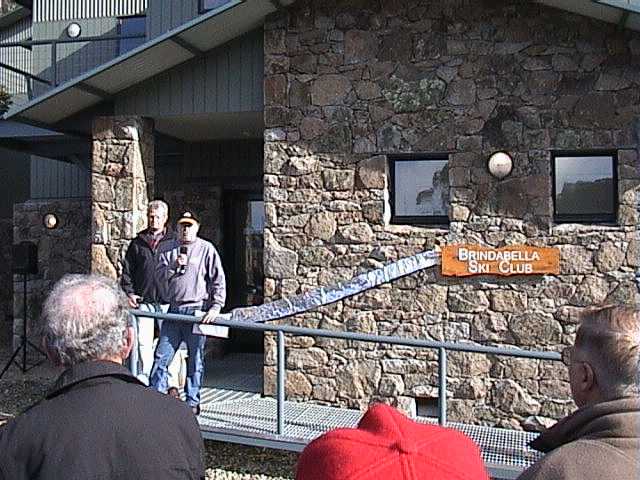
244,245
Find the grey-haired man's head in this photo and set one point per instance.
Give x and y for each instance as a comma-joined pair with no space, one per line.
86,318
605,358
157,215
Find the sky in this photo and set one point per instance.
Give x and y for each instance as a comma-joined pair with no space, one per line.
585,169
412,177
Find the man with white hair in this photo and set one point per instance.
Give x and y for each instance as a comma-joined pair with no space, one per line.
145,292
98,420
602,438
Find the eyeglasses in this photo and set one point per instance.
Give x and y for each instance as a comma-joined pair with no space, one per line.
566,356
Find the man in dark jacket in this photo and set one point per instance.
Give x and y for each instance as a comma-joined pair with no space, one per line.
140,283
98,421
602,438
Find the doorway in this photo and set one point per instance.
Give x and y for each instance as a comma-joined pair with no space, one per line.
244,247
236,364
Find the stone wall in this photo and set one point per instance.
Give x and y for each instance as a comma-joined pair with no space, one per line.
62,250
6,279
349,82
635,246
122,182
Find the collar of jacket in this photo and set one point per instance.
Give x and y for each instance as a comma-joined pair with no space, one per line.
89,370
169,234
612,419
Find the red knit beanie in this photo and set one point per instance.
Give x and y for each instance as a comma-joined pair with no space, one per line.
386,445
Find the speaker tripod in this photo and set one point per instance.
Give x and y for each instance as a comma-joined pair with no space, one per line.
24,341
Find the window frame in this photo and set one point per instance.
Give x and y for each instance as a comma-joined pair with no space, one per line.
202,9
586,218
427,220
127,17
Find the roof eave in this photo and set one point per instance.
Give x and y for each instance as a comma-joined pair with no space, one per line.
610,11
42,108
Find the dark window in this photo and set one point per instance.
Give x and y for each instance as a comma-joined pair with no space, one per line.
427,407
585,187
419,190
131,26
206,5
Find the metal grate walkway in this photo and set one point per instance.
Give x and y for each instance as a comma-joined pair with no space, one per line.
252,421
234,411
237,376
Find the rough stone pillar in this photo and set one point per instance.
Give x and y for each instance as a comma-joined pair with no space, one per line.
122,173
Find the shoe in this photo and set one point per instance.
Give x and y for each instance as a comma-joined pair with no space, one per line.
173,392
195,409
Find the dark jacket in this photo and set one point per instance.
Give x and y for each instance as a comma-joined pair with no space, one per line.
139,268
600,441
99,422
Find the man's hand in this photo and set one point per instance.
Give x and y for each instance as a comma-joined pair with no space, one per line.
134,300
211,315
182,260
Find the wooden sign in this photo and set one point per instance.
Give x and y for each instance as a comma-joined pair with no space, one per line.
465,260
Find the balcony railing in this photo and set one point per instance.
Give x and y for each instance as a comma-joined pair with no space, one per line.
53,79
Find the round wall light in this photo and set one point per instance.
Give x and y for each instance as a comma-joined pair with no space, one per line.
500,165
74,30
50,221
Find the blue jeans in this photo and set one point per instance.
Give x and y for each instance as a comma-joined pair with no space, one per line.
171,335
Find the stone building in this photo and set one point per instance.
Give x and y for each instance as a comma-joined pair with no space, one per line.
352,86
367,140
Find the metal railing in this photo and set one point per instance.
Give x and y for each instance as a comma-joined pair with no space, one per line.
281,330
53,81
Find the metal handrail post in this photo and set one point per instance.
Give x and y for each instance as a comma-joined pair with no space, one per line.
442,386
281,378
54,63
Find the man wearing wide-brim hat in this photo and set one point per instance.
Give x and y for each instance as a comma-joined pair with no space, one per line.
195,282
